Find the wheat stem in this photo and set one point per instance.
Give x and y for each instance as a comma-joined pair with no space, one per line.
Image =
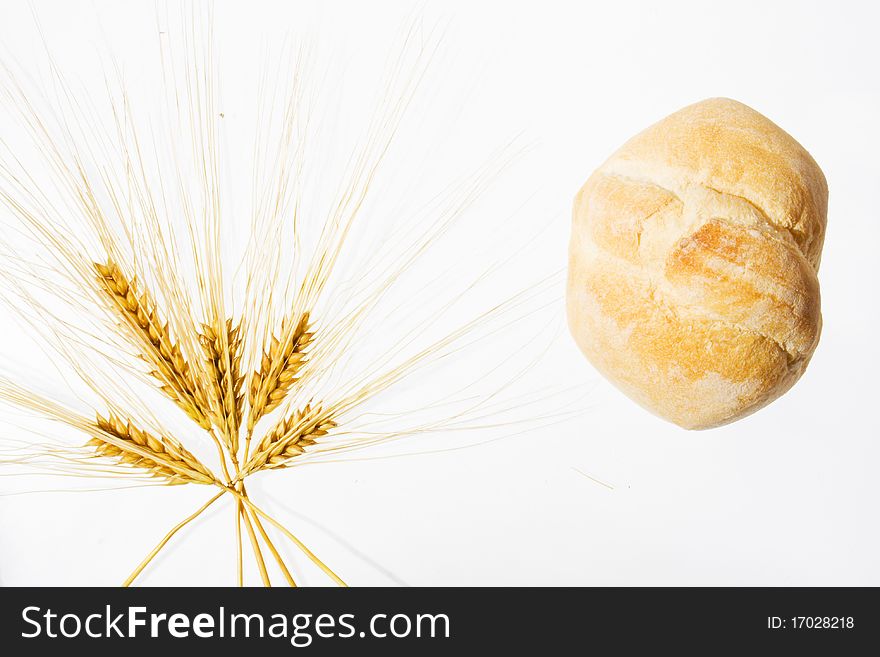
258,555
289,535
221,454
268,542
274,551
247,445
241,513
168,536
239,565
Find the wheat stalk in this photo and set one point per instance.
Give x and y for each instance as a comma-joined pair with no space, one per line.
139,314
281,362
160,457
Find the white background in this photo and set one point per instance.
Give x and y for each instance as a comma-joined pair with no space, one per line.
787,496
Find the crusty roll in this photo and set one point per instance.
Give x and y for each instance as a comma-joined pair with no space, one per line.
692,266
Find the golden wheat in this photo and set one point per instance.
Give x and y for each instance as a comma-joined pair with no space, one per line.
160,457
281,363
289,438
223,350
161,351
161,274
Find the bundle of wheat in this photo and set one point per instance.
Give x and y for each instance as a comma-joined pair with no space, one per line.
140,301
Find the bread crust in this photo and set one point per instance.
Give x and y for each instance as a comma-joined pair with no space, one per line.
693,260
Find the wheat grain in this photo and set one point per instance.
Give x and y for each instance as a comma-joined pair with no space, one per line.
223,350
280,365
289,438
160,457
160,350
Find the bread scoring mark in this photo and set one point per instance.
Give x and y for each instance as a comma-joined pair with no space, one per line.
683,184
732,271
636,172
619,211
632,178
786,234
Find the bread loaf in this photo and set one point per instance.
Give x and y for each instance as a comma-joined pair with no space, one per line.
692,266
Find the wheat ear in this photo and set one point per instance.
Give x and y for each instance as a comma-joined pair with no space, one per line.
281,363
159,348
160,457
223,351
289,438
